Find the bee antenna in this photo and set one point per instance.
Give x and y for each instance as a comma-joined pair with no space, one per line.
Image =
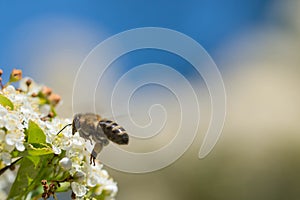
63,128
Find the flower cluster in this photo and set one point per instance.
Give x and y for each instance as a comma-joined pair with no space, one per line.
28,133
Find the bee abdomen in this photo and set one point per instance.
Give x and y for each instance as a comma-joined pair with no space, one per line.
114,132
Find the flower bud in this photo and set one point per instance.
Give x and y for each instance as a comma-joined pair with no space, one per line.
65,163
54,99
44,182
15,75
46,91
28,82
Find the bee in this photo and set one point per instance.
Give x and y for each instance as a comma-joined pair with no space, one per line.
92,127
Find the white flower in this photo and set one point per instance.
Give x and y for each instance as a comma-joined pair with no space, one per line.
28,113
20,146
78,189
10,90
45,109
111,187
76,160
13,137
8,148
3,111
92,181
33,88
56,150
12,122
79,176
16,139
99,178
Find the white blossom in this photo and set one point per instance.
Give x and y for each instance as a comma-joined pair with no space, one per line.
78,189
33,88
76,160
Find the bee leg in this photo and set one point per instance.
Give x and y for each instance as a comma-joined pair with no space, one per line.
97,148
85,136
92,160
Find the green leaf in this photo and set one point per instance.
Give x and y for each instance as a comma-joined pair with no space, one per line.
43,98
22,180
35,134
34,159
32,170
39,149
5,102
37,141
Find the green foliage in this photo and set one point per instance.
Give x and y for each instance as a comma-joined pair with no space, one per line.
32,171
37,141
35,134
35,166
24,144
5,102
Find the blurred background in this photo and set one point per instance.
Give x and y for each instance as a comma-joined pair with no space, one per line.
255,45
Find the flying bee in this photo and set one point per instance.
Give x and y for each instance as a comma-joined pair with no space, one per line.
92,127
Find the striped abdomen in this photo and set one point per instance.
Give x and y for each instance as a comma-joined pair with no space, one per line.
114,132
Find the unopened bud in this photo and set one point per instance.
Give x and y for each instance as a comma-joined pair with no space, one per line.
51,114
54,99
28,82
44,182
52,188
65,163
15,75
46,91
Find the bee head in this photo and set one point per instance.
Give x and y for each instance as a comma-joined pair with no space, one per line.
76,122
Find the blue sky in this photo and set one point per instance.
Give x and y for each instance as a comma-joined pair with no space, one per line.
210,22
